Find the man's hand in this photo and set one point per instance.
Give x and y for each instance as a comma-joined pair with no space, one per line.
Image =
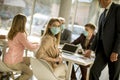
114,57
87,53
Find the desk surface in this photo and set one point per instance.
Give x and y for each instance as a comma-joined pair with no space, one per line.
79,59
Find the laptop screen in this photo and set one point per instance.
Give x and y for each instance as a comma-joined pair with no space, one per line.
69,48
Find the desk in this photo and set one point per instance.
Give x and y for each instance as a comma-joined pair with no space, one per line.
76,58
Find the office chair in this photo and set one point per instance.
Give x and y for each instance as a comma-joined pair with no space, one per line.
42,70
4,68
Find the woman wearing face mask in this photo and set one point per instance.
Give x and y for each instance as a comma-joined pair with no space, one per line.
85,39
49,51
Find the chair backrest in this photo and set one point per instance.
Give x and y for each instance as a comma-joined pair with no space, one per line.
42,70
3,67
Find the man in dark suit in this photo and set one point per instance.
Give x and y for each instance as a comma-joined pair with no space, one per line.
107,42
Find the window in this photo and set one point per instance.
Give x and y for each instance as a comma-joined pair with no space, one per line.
41,12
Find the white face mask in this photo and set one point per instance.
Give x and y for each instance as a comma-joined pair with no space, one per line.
85,33
62,26
55,30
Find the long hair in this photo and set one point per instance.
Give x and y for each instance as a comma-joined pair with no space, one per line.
18,25
48,32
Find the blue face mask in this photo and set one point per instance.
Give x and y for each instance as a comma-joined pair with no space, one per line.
62,26
85,33
55,30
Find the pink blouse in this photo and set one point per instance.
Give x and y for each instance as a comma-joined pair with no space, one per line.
16,48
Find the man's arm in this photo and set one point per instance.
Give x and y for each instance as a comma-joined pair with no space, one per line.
117,39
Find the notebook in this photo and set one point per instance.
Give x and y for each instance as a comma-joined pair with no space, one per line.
69,48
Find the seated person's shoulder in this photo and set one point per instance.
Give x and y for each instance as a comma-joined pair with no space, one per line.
81,35
21,34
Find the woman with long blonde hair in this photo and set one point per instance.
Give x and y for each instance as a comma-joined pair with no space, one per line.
49,50
17,42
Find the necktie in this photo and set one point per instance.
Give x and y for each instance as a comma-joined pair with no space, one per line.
103,16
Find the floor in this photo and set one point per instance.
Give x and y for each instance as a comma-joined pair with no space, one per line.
104,75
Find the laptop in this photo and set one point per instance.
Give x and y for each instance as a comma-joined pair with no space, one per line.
69,48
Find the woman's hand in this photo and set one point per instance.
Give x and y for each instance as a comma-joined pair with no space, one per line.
58,50
58,60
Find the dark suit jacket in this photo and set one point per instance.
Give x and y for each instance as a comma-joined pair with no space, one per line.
81,40
0,52
66,36
111,32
